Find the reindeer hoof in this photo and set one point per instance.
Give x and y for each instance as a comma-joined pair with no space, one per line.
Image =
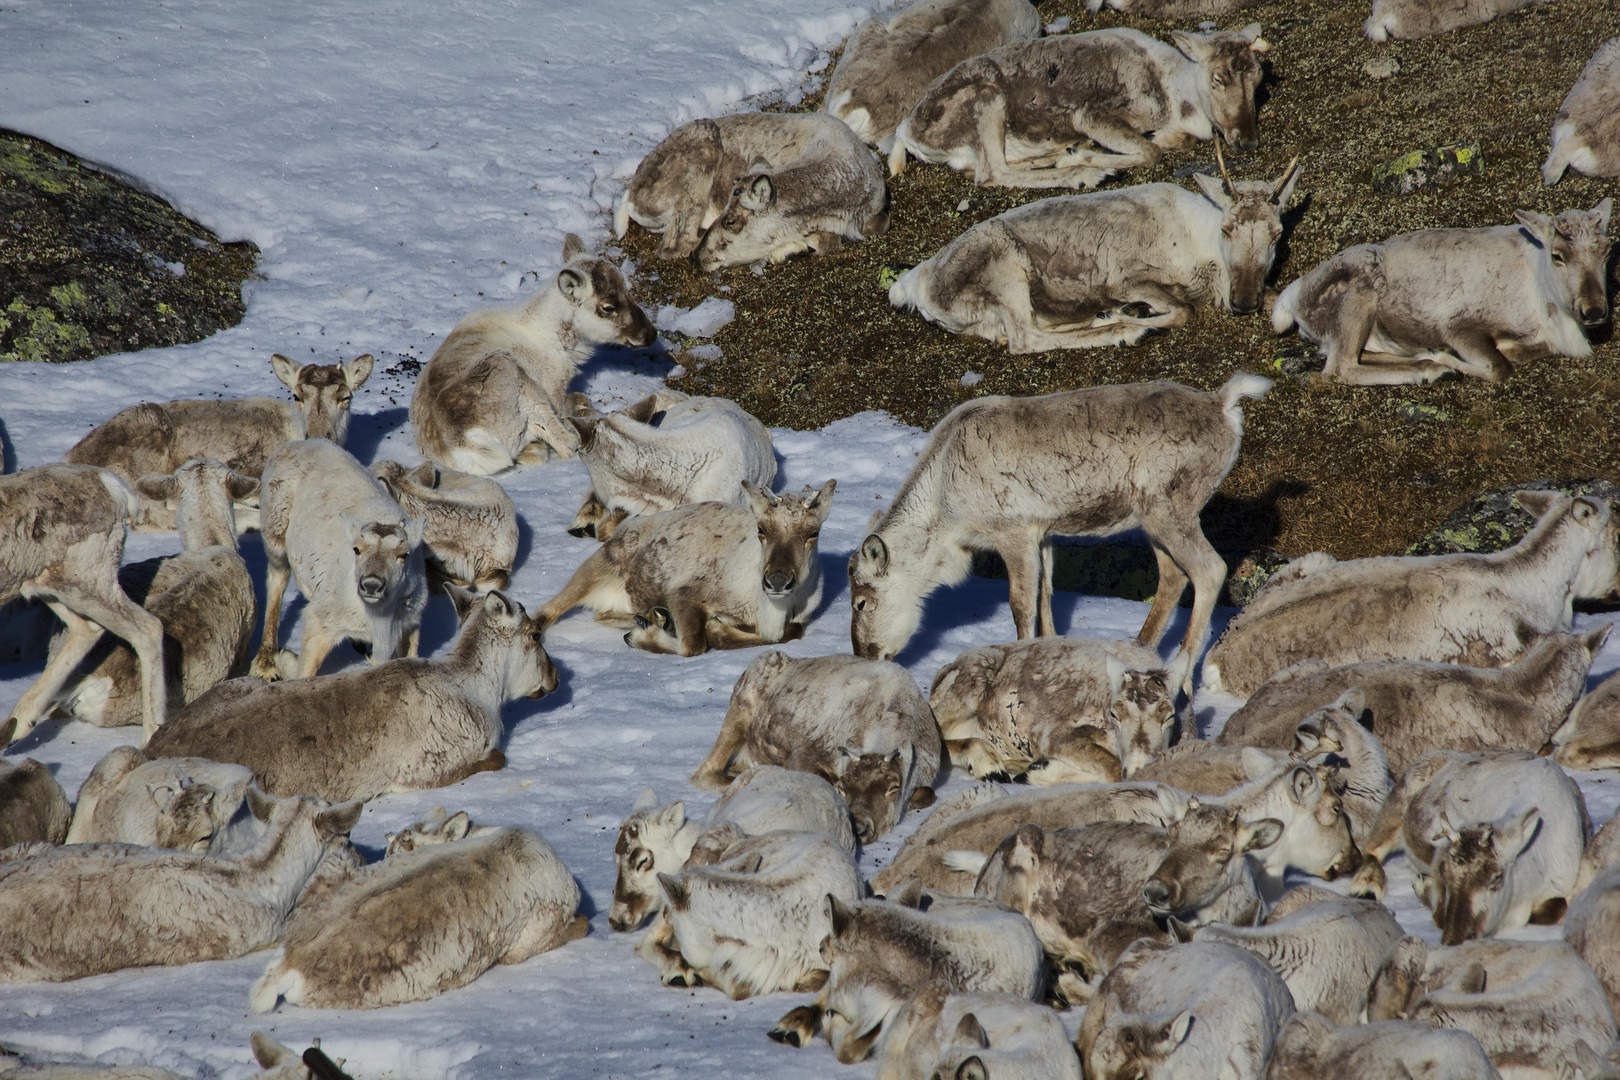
787,1036
661,618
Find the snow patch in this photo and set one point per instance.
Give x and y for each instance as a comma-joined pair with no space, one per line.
703,321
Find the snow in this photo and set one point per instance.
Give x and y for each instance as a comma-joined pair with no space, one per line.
703,321
399,164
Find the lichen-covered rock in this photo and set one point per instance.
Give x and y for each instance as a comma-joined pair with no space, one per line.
1493,521
1420,168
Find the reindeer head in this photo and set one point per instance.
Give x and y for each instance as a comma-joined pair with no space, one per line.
754,226
436,828
203,493
382,556
873,786
1251,225
649,829
864,993
600,311
885,601
185,815
1130,1045
1142,711
1471,887
789,526
323,392
1205,858
1577,250
1590,526
1229,74
512,643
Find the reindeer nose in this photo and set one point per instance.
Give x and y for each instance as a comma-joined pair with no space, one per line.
864,832
1157,895
372,587
1592,316
1245,307
780,583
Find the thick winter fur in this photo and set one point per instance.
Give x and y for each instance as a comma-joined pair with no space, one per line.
1479,301
1590,738
890,60
1480,610
1327,951
1529,1003
492,395
33,806
62,530
1025,114
1007,474
1586,128
658,839
85,909
401,726
469,525
426,920
1494,838
1105,268
1199,1010
1412,706
1055,710
1592,928
750,186
156,439
665,451
1406,19
356,555
190,804
1082,890
944,1036
881,953
977,819
707,576
203,596
754,922
863,725
1311,1048
1205,768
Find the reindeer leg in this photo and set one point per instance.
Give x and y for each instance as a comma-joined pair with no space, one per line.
679,630
1384,369
81,637
1109,130
1191,550
1478,356
318,644
592,573
800,1025
94,594
277,576
1022,554
1045,625
714,774
990,164
1172,583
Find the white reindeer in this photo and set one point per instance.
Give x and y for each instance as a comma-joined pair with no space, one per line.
1407,19
1586,128
191,804
469,525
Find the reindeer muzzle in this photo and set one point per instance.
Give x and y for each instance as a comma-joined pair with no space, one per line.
372,588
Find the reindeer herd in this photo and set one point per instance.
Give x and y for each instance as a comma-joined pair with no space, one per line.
1419,704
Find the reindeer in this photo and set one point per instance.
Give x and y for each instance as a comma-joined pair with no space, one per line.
469,525
33,806
1478,301
1590,738
1591,925
665,451
1017,116
157,439
318,504
492,395
190,804
1412,706
1009,473
1586,128
1311,1047
1171,9
401,726
889,62
1407,19
62,530
941,1035
756,186
1106,268
862,725
1481,610
1494,838
707,576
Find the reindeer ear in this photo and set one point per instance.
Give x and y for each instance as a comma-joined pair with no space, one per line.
1171,805
286,370
269,1053
241,488
457,826
821,502
969,1032
499,606
909,895
756,193
1261,834
1282,191
260,804
1303,785
1192,46
1028,845
1352,701
575,289
353,524
464,600
415,528
341,819
358,370
1181,931
159,488
1602,210
873,558
1179,1028
1115,671
1541,226
673,816
971,1069
1594,639
163,795
676,892
1513,837
1214,189
839,915
573,248
759,500
647,800
425,475
1537,503
587,431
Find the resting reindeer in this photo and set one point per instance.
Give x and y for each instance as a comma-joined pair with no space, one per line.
401,726
1016,116
1586,128
1590,738
1592,928
1311,1048
890,60
492,395
153,440
1054,710
33,806
1106,268
707,576
190,804
665,451
1406,19
318,504
1009,473
863,725
62,530
203,596
1478,301
941,1035
750,186
469,525
1482,610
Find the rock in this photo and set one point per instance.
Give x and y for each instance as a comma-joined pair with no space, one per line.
1381,67
1420,168
1493,521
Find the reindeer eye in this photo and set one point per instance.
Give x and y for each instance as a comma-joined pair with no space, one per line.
860,605
812,538
1557,259
345,399
607,310
299,398
1128,1038
762,534
1217,80
1227,231
357,551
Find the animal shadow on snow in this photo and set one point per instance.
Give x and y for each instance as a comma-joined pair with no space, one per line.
652,362
368,430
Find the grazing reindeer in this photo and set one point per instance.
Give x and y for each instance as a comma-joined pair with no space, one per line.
1407,19
1311,1047
190,804
62,530
862,725
1478,301
707,576
33,806
1481,610
153,440
203,596
941,1035
318,504
738,189
668,450
401,726
492,396
1009,473
890,61
1586,128
1056,273
1016,115
469,525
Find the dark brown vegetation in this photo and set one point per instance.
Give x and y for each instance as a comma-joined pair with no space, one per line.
1353,471
88,264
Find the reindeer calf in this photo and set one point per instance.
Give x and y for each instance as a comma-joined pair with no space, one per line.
189,804
469,525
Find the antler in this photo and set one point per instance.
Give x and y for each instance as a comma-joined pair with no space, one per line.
1221,161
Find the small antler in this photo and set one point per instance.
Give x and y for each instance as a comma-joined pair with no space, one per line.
1221,161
